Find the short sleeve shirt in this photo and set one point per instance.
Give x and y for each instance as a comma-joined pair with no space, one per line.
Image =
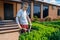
22,17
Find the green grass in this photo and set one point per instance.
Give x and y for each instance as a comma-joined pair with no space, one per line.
43,31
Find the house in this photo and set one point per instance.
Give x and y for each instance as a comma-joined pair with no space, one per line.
9,9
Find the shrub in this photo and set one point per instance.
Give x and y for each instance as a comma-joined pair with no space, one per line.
47,19
55,24
58,19
40,32
55,36
41,20
55,19
36,18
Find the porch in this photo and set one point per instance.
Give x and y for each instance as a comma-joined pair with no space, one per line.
9,30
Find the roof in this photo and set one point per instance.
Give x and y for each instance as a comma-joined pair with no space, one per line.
47,2
14,0
19,0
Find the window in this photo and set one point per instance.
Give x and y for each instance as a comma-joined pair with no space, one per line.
36,10
29,10
45,10
58,12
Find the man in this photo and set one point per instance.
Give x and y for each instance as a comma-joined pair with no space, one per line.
22,18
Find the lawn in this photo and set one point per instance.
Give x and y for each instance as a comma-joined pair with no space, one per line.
43,31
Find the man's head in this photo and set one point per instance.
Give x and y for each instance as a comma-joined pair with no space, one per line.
25,6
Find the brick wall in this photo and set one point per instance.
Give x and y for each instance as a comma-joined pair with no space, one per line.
52,12
1,9
16,7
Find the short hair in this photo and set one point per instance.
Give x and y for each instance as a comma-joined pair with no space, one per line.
25,3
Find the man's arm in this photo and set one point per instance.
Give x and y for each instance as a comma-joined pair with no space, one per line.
29,20
17,20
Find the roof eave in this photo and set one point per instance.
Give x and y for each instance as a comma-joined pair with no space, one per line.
47,3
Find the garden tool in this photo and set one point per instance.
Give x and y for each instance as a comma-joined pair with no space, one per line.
29,29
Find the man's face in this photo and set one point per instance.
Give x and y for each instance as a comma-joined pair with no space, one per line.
25,7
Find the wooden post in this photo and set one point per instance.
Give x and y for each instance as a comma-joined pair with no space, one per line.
41,11
31,10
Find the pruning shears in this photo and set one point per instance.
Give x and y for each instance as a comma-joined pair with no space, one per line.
29,29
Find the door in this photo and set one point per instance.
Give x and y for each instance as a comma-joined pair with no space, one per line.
58,12
8,11
45,10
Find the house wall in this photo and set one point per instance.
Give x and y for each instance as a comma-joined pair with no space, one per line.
1,10
52,12
18,6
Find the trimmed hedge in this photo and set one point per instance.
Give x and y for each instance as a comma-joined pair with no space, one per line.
55,24
41,32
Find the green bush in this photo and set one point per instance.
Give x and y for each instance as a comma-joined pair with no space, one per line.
52,24
41,32
41,20
54,36
47,19
36,18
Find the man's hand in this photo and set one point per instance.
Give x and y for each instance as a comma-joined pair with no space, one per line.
19,26
30,24
24,29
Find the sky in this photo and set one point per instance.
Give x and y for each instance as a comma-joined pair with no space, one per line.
53,1
58,1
